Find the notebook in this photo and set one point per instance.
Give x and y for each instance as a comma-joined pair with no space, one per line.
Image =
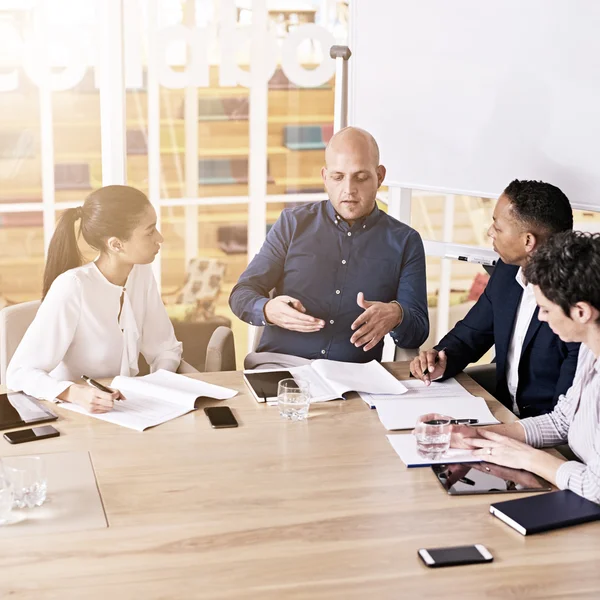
544,512
403,412
331,379
155,399
406,448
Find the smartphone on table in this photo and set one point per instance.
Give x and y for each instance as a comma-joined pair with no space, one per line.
455,555
30,435
220,417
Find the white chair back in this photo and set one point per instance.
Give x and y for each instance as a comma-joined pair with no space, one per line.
14,321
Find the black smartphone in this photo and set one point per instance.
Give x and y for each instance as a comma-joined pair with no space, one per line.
456,555
30,435
220,417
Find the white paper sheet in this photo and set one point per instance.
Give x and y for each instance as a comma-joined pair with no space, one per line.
368,377
417,389
449,387
403,413
406,448
137,412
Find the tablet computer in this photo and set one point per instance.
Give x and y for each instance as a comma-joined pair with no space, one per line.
487,478
17,409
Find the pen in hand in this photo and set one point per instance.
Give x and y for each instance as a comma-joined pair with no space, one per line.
101,387
437,358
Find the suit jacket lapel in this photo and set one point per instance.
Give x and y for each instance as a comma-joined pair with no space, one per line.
534,325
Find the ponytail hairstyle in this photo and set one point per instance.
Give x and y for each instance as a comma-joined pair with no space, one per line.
111,211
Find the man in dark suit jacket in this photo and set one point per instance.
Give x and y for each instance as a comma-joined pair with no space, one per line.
533,366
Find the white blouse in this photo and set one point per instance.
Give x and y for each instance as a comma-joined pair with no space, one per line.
77,332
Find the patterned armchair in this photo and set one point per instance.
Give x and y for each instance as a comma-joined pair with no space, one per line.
200,290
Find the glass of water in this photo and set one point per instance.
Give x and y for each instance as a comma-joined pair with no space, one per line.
28,478
6,496
433,433
293,399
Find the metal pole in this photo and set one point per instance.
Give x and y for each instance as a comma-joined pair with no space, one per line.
341,55
112,94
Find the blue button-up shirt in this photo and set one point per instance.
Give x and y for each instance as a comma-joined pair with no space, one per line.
313,255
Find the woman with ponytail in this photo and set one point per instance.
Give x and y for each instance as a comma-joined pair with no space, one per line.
96,318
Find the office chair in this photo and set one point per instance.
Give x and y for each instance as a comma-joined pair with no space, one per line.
485,376
14,321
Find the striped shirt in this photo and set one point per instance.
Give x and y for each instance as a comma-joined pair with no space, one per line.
576,420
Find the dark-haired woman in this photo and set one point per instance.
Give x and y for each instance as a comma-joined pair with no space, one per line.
96,318
564,273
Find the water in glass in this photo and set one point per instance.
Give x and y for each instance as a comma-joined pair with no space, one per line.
433,433
293,400
28,478
6,496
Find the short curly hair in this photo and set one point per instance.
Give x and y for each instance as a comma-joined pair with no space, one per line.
540,206
566,269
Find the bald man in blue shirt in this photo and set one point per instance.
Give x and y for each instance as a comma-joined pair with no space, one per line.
344,273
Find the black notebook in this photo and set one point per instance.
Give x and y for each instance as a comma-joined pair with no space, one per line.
546,511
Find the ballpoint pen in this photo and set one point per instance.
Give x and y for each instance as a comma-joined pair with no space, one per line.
452,422
98,385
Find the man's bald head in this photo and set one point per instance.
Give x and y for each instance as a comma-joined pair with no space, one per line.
352,174
353,139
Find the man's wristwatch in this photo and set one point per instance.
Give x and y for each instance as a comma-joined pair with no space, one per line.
401,313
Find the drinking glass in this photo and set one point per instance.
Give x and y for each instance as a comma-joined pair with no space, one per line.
293,399
433,433
28,478
6,496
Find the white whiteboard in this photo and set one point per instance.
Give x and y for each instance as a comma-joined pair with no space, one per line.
464,96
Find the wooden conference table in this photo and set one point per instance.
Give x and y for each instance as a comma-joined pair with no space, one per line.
322,509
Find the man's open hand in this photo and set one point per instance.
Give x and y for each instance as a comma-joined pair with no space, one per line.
288,313
378,320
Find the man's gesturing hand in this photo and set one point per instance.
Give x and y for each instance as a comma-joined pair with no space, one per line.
378,320
288,313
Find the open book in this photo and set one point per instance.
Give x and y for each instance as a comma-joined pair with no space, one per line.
327,380
155,399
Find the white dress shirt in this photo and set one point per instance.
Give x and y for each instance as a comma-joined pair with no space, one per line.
77,331
524,315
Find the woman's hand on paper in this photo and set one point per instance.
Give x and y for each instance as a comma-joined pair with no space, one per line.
90,398
460,436
502,450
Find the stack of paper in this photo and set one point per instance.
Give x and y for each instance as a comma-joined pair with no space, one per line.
403,413
415,388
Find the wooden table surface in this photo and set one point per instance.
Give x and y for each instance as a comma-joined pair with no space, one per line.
322,509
